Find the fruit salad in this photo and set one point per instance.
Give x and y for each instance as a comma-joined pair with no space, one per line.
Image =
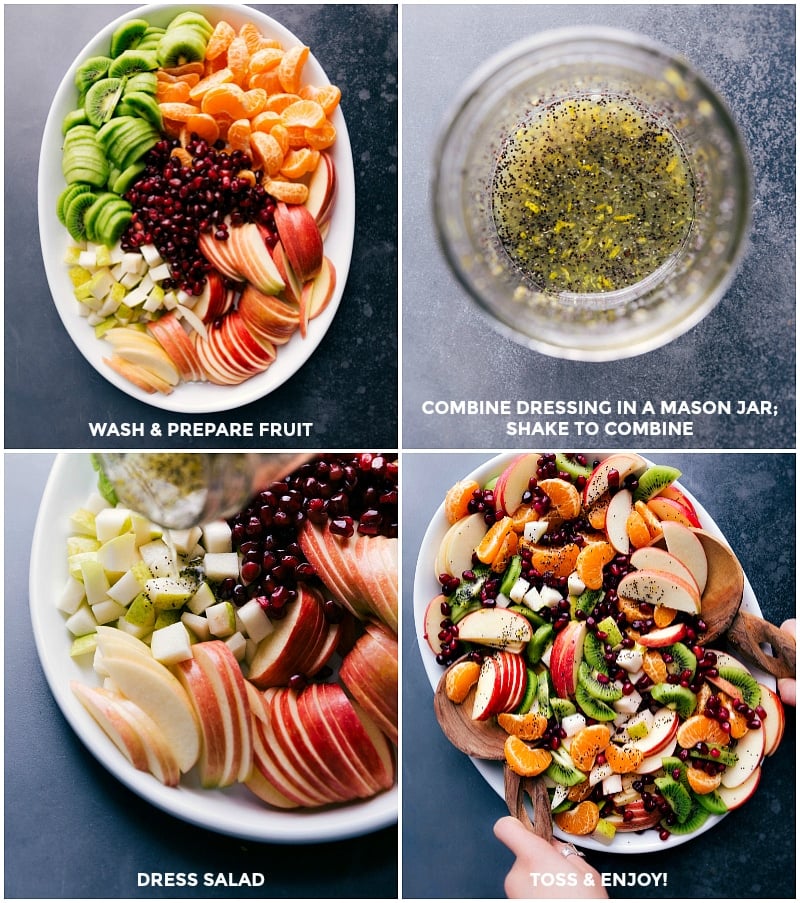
199,182
571,615
256,652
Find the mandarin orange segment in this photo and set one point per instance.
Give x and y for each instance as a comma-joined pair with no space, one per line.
565,500
267,151
172,92
264,122
630,609
587,743
590,562
636,528
220,39
321,138
530,726
555,561
177,112
290,68
654,666
623,759
506,552
307,114
254,101
220,77
525,514
265,59
579,792
239,135
524,760
493,539
299,162
663,615
580,820
227,98
252,37
701,781
596,513
281,135
269,81
238,59
290,192
653,523
457,499
737,720
328,97
204,126
701,729
460,679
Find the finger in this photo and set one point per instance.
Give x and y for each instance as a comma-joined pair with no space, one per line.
787,690
790,626
518,838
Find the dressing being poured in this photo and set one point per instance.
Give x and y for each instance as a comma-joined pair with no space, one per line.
592,194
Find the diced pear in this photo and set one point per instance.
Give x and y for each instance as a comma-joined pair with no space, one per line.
166,617
83,645
171,644
221,619
220,565
82,521
197,626
111,522
169,592
118,555
75,563
77,545
141,612
252,617
201,600
158,558
126,589
107,611
82,622
238,645
185,540
71,596
95,581
217,536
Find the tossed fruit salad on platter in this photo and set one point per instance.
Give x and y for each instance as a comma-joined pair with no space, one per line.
199,185
570,615
259,651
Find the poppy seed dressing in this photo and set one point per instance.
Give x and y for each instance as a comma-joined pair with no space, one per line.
592,194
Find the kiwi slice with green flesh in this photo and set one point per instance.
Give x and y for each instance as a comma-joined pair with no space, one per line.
538,643
604,691
134,148
91,71
74,214
593,708
151,38
563,771
653,480
724,755
712,802
71,191
142,81
679,799
567,464
84,164
562,707
562,807
127,179
586,601
131,62
536,619
744,682
73,118
511,574
194,20
594,653
145,105
674,696
695,820
102,99
676,769
683,659
529,696
608,626
93,215
544,689
180,45
128,36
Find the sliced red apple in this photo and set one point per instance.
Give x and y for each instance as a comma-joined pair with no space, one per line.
664,636
611,470
687,548
669,509
660,588
749,754
317,293
616,526
513,482
662,733
565,658
733,797
499,628
454,555
322,189
369,672
774,720
652,558
300,236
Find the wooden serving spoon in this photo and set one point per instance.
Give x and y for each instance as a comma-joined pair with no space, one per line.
745,632
485,740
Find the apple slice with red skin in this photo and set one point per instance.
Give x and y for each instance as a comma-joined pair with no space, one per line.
374,565
322,189
324,553
672,492
664,636
266,791
500,628
750,753
619,508
639,818
161,760
660,588
267,317
278,655
685,545
218,253
454,555
369,673
663,732
565,658
670,509
173,338
774,721
317,294
433,623
211,764
623,464
140,377
253,259
212,303
734,797
301,239
513,482
652,558
292,287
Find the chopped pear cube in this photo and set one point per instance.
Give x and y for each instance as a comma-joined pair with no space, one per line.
169,592
170,645
72,595
201,600
95,581
82,622
111,522
221,619
220,565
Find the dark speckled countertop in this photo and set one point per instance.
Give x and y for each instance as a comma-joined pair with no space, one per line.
348,388
449,850
745,349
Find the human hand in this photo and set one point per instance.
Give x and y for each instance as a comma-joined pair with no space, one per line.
542,870
787,686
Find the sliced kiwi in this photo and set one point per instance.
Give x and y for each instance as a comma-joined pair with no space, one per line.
680,699
142,81
194,20
529,696
536,619
151,38
671,765
653,480
544,689
676,795
127,179
568,464
724,755
586,601
128,36
607,691
592,707
562,707
712,802
608,626
694,820
594,653
130,62
74,214
744,682
683,659
91,71
541,639
102,98
73,118
562,770
180,45
146,106
511,574
68,194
